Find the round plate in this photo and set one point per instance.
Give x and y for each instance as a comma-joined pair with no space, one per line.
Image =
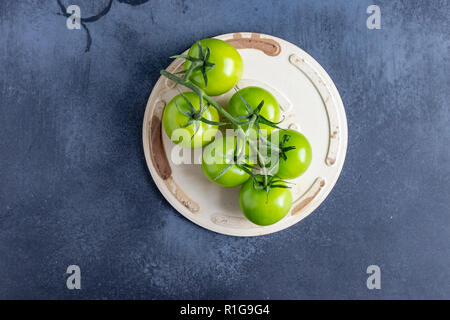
310,104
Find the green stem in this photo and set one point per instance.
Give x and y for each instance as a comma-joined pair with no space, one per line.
201,93
233,120
272,146
250,124
191,69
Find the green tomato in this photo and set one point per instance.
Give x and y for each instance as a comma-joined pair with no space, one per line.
219,155
174,121
254,96
298,159
227,71
263,209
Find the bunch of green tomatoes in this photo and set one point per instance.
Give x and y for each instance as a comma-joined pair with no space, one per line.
255,153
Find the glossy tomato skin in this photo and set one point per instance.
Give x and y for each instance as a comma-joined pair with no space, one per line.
174,120
213,163
261,210
254,95
298,159
227,71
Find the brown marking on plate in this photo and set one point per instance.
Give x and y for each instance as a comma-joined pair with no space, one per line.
231,221
308,199
162,166
323,87
170,83
294,59
334,134
268,46
182,197
157,152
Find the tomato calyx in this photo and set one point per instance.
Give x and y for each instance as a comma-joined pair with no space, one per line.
201,63
195,116
267,182
283,149
254,116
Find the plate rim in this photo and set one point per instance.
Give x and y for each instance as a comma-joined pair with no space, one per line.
311,207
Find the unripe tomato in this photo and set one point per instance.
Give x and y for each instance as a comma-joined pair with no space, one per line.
227,71
174,121
217,156
263,209
298,159
254,96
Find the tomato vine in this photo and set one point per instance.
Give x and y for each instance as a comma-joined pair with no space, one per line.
262,173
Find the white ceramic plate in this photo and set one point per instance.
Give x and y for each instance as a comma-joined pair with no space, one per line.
310,103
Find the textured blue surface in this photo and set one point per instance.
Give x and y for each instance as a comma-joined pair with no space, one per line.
75,189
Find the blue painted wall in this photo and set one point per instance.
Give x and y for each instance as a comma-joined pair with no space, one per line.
75,189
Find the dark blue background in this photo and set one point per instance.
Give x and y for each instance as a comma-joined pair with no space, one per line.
75,189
